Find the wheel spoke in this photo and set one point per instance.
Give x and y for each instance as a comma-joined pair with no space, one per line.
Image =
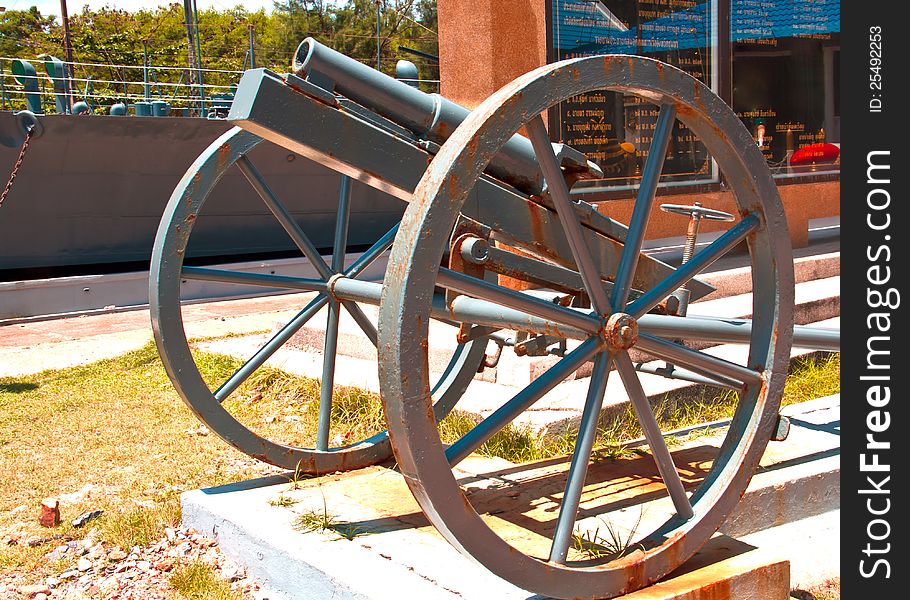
654,436
556,184
264,353
673,372
374,252
299,320
338,252
465,309
327,385
363,321
697,264
484,290
341,225
257,279
283,215
578,470
647,191
715,368
523,400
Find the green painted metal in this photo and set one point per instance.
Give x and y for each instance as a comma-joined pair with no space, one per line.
26,76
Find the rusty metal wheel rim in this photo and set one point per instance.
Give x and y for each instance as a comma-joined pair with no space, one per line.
404,310
166,274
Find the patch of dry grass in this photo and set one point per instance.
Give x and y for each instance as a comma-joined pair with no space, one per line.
111,435
285,408
140,526
198,581
827,590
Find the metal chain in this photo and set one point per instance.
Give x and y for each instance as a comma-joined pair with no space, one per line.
12,177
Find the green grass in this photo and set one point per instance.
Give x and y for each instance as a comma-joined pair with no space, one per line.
812,376
285,407
198,581
322,521
112,436
282,501
612,542
140,526
314,520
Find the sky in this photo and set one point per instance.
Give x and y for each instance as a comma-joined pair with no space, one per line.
52,7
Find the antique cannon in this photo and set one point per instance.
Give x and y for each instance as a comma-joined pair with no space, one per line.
485,202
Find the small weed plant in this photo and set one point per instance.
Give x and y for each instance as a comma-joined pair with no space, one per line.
198,581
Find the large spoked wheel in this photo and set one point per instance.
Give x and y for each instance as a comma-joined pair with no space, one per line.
619,322
213,406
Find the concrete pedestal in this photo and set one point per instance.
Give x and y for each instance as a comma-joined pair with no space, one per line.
379,546
400,556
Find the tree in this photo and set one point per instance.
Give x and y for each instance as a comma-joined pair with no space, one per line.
24,33
113,39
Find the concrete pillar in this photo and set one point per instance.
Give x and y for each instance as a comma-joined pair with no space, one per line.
484,44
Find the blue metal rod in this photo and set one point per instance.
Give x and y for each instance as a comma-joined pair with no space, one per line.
674,372
263,354
654,435
258,279
341,225
463,309
719,369
284,217
327,385
506,413
731,331
2,85
338,254
647,191
368,257
362,321
556,184
285,333
330,348
472,286
575,485
698,263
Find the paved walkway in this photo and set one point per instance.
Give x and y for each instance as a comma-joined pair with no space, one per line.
27,348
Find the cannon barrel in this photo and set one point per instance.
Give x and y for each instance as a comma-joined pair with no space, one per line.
429,116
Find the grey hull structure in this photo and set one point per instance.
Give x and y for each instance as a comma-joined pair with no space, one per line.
91,191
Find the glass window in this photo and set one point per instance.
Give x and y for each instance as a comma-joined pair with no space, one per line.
785,69
614,129
786,66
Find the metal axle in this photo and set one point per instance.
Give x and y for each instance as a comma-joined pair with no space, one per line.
482,312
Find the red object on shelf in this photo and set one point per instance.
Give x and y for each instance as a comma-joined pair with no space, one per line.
815,154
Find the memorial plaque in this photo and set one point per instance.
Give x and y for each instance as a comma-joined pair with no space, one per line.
614,129
786,64
785,80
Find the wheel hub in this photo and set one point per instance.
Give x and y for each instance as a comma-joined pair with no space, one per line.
621,331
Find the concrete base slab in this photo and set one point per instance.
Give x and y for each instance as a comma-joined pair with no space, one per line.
725,569
814,552
393,562
377,544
